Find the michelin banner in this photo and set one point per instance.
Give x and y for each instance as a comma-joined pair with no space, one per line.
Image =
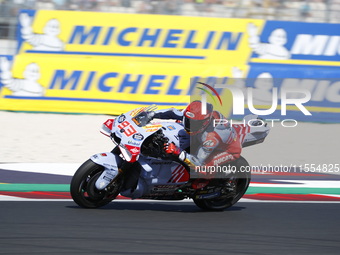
295,43
135,37
81,85
88,62
177,38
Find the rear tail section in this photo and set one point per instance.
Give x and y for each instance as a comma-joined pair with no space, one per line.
250,134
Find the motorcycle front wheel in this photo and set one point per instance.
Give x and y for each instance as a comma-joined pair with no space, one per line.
241,179
83,190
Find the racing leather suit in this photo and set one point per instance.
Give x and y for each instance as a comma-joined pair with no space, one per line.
219,137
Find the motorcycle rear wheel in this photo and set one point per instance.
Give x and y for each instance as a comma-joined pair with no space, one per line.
83,190
242,181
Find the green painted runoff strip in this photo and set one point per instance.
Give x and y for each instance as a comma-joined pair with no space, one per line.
278,190
24,187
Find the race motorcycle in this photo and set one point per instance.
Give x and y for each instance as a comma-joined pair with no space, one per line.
138,166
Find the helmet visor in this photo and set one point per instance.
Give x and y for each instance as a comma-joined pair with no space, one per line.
191,125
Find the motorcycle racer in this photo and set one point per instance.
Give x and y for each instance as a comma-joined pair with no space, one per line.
216,139
139,167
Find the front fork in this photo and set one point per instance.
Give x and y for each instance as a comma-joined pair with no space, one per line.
115,170
112,164
122,173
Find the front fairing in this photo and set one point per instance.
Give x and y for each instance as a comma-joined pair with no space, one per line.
131,135
131,129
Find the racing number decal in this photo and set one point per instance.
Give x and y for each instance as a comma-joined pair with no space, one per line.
128,128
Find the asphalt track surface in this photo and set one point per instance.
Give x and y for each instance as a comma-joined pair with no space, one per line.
169,228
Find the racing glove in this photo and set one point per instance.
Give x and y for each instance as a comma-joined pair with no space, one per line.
171,148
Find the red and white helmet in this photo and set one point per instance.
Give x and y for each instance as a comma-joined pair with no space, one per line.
194,121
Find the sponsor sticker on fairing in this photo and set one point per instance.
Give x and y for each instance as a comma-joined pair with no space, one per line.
138,137
121,118
134,150
151,130
133,143
153,126
171,127
109,123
